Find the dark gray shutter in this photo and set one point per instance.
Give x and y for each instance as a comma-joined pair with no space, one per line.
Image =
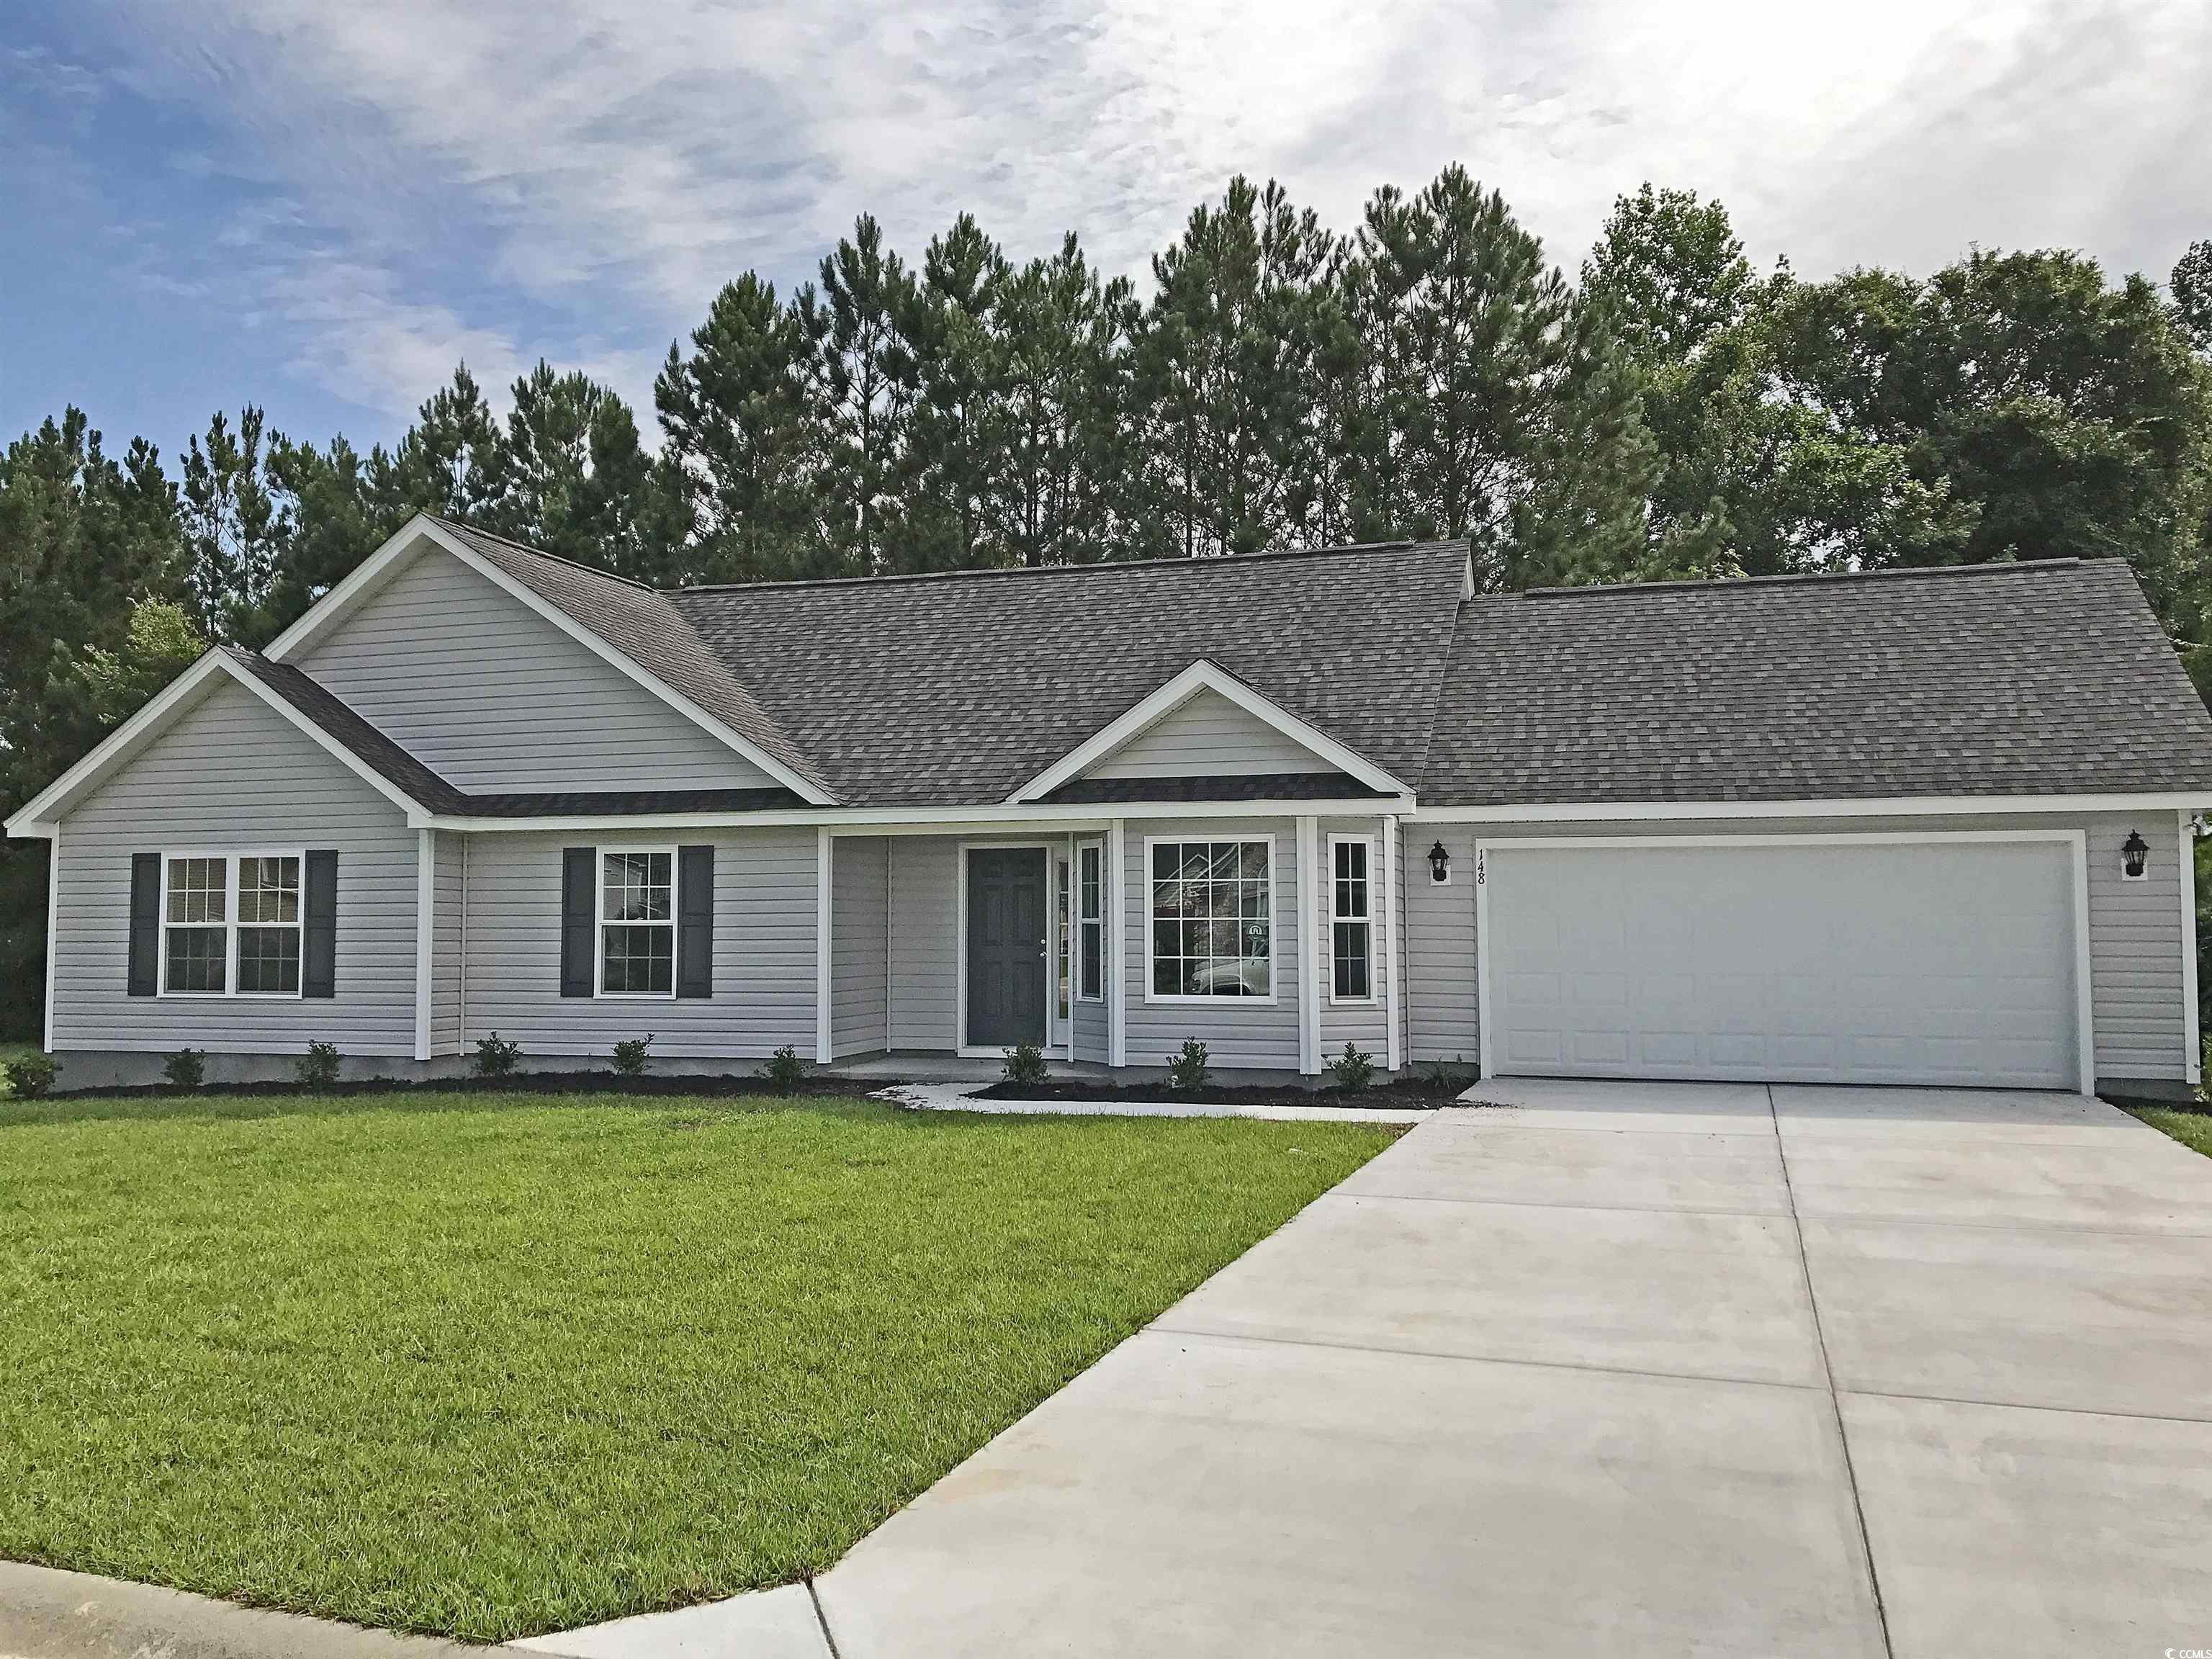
318,944
694,921
145,923
579,894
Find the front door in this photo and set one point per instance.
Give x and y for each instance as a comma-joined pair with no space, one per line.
1006,946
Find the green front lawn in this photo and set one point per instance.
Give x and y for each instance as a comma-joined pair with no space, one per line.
2192,1129
497,1365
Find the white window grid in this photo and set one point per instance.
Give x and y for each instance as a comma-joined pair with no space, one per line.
1350,916
1254,865
648,908
209,894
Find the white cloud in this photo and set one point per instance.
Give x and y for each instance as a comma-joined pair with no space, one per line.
579,176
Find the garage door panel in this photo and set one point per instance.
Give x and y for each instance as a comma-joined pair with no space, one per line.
1920,962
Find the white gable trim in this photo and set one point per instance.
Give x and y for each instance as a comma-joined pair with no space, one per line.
41,816
372,572
1203,676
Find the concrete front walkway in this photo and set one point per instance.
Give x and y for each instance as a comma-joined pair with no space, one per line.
1641,1369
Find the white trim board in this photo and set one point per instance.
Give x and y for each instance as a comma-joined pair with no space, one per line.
1203,676
2076,840
372,572
2192,1057
425,893
53,927
1889,806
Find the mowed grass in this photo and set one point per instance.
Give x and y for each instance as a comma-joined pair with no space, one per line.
498,1366
2191,1129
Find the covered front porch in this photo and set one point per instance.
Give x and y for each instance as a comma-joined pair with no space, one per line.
1107,942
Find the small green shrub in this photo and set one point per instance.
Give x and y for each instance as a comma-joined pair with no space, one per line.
1354,1069
32,1076
186,1068
1024,1064
785,1070
318,1067
495,1057
630,1055
1187,1065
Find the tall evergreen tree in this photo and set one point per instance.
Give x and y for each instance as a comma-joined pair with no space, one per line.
2190,286
863,376
742,446
1225,367
956,438
235,529
577,476
455,459
1059,342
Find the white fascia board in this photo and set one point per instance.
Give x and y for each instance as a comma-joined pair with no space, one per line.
1882,807
1203,676
989,819
123,745
332,608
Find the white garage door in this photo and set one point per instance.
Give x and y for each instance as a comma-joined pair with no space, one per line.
1870,962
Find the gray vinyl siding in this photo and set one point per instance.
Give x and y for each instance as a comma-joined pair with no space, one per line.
233,775
1238,1033
1364,1024
764,911
925,941
487,693
448,901
860,886
2135,928
1208,736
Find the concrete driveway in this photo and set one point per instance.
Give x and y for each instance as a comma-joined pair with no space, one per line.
1631,1368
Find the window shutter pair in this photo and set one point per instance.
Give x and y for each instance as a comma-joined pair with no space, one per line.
694,921
318,935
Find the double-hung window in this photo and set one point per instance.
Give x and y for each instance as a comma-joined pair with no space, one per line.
637,923
1213,905
230,925
1091,922
1351,919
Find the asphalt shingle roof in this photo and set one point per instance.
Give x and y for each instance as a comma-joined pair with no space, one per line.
2044,678
2047,677
959,688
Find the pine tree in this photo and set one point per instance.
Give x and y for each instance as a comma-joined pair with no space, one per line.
577,476
1226,371
956,438
1059,342
453,460
236,532
862,374
742,446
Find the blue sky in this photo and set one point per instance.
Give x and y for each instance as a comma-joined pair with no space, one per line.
320,208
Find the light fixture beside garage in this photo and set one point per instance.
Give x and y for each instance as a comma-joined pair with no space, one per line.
2133,853
1439,864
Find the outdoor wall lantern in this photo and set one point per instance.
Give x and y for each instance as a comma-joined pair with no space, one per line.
2133,850
1439,864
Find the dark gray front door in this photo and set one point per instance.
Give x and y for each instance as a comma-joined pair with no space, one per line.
1006,946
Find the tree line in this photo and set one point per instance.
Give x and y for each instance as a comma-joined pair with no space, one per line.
1669,411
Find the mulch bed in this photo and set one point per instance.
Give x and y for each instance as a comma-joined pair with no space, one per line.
520,1083
1416,1091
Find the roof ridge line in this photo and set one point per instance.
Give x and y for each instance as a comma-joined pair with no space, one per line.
1704,585
1193,560
550,558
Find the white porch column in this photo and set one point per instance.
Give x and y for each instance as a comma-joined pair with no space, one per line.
824,842
1116,932
1393,1043
54,926
1308,947
426,885
2192,1061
